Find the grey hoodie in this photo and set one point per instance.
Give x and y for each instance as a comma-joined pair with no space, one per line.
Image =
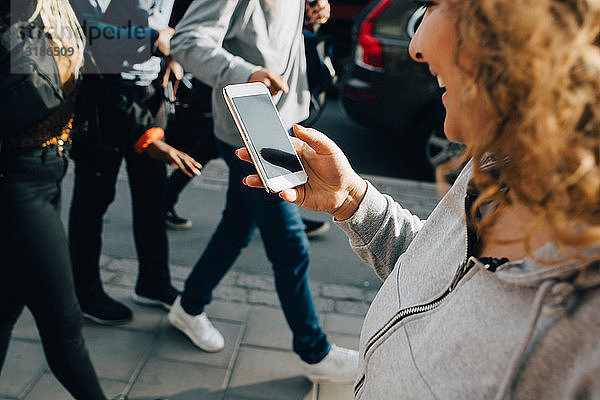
222,42
523,331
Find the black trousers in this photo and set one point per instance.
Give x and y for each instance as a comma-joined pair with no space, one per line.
35,269
203,150
96,172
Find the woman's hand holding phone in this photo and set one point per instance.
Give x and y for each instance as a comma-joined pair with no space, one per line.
332,186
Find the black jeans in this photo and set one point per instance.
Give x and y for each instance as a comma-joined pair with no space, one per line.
96,172
35,270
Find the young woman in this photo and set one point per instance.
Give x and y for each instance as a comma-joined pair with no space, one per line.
497,294
35,270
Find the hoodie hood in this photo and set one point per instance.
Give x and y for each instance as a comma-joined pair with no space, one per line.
532,271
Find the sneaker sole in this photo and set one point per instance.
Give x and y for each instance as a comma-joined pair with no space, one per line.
318,231
178,227
177,323
108,322
315,379
145,301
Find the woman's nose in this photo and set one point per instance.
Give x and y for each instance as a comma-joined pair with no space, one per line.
413,49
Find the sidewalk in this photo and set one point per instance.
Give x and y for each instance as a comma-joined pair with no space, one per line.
148,358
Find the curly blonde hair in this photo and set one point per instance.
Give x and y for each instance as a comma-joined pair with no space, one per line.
534,68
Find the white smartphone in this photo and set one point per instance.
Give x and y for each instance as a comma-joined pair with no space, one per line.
266,139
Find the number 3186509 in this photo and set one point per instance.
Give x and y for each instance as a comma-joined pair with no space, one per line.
55,51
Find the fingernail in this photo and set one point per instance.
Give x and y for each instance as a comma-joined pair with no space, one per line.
244,181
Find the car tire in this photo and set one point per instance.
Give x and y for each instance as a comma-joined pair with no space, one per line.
427,124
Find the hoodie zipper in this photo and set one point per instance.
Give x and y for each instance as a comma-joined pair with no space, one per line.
462,270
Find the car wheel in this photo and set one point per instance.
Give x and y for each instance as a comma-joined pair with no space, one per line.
439,150
317,104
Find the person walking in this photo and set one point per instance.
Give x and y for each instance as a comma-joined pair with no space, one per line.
35,269
229,41
126,119
192,125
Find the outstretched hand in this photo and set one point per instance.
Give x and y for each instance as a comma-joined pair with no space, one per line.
332,184
274,82
162,151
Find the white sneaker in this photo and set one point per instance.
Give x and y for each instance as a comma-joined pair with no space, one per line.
197,327
340,365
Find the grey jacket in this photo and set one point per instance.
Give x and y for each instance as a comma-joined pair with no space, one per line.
222,42
524,331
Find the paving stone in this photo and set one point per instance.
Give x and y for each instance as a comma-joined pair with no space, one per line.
315,289
268,374
115,358
124,278
179,271
107,277
226,310
263,297
105,261
340,292
370,296
175,346
231,293
178,283
267,327
309,396
351,307
323,305
122,265
178,381
25,328
145,318
239,397
331,391
263,368
230,278
24,363
347,341
48,388
344,324
264,282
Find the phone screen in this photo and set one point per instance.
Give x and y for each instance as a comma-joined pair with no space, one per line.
267,135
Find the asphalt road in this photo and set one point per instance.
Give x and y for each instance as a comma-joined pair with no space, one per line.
371,150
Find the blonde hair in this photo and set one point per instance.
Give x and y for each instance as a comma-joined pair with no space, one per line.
534,69
62,25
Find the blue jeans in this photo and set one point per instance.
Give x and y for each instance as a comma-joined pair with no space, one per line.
285,243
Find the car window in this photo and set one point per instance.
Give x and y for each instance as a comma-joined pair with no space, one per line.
398,20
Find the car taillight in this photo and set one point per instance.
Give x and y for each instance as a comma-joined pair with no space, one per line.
368,49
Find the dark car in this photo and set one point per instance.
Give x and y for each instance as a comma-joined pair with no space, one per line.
384,88
339,27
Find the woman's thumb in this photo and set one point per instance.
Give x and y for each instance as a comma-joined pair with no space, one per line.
315,139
